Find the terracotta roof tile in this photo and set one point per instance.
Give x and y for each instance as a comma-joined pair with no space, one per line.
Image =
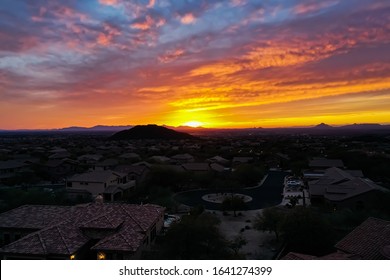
367,240
62,233
33,216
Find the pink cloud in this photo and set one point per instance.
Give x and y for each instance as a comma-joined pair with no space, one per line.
106,37
306,8
151,3
171,56
188,18
236,3
109,2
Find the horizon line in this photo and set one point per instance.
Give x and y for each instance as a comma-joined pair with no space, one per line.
199,127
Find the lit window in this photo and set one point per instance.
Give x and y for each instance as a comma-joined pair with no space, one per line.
72,257
101,256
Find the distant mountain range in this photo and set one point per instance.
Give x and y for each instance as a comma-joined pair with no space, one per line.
321,128
96,128
361,126
150,131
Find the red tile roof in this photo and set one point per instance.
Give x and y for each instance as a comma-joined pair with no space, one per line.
33,216
367,240
332,256
64,234
62,239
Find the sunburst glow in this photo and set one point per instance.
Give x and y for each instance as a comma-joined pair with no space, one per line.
193,124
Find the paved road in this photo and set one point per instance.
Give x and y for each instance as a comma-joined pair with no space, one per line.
268,194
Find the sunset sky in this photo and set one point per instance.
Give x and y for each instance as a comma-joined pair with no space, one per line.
231,63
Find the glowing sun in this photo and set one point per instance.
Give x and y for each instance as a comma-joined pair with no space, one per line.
193,124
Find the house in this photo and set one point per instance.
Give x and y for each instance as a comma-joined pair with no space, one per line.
317,167
197,167
137,173
368,241
310,174
218,168
218,159
60,155
294,190
341,189
88,231
89,159
159,159
58,168
106,164
111,184
12,168
130,156
242,160
324,163
182,158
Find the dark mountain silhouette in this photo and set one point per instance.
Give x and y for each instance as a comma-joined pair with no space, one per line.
323,126
150,131
365,126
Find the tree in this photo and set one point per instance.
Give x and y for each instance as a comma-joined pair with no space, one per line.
306,231
270,219
248,174
195,237
166,177
293,201
237,243
233,203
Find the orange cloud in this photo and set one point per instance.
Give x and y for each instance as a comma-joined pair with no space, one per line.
109,2
110,32
151,3
144,25
103,39
188,18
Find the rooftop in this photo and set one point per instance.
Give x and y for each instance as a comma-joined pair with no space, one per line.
96,176
369,240
65,235
324,162
338,185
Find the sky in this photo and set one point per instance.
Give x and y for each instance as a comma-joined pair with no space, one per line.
231,63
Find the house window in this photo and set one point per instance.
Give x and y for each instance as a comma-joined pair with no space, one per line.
101,256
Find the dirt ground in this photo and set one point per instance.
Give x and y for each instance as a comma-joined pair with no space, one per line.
260,245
